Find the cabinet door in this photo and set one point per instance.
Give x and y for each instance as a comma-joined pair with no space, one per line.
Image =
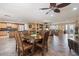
3,25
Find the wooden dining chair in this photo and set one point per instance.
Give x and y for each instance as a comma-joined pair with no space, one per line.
16,40
44,44
23,48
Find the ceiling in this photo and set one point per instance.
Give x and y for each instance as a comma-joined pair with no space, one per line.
30,12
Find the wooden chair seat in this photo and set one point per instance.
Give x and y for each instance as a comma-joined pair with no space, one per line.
26,47
41,45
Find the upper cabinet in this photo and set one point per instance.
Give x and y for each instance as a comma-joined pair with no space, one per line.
3,25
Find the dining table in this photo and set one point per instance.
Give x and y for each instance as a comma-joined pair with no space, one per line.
33,39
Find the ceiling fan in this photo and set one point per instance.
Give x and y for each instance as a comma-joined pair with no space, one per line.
55,7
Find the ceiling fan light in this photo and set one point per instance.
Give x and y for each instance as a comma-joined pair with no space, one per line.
57,10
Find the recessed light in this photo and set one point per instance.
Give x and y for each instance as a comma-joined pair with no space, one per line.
74,8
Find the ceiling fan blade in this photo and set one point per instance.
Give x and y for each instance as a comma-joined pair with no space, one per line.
48,11
53,4
44,8
62,5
